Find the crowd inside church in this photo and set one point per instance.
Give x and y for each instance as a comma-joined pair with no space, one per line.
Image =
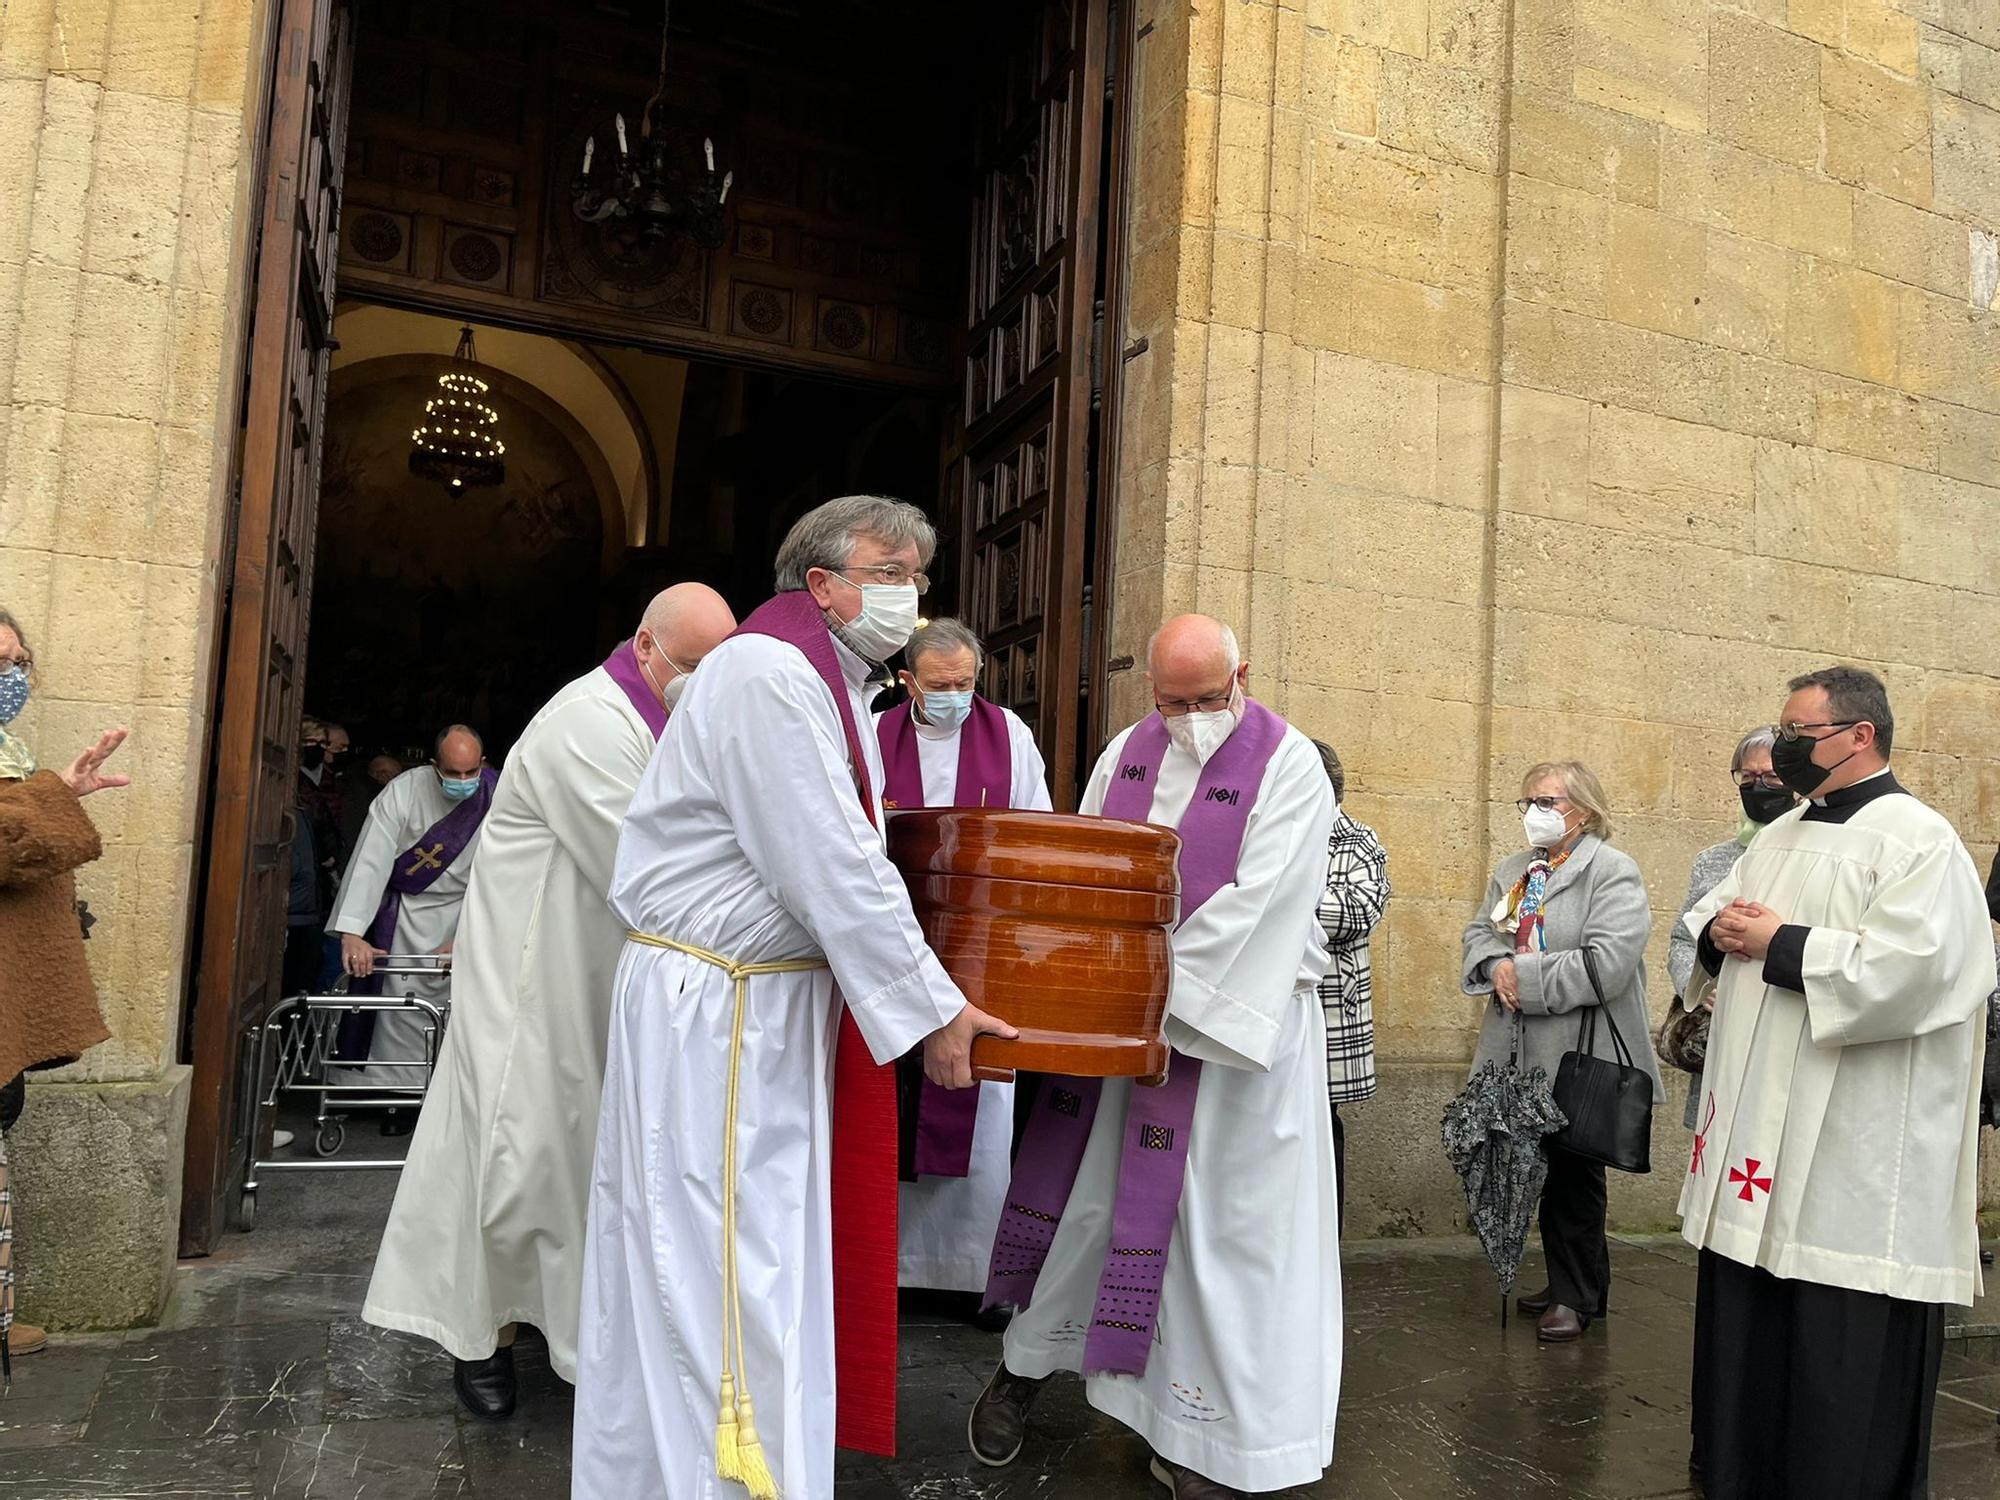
707,1097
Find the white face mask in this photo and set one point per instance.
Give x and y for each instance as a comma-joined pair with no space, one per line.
887,620
671,692
1202,732
1545,827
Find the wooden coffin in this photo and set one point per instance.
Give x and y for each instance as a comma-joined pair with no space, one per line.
1058,925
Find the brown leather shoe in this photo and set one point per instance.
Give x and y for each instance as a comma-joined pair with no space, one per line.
1561,1325
999,1421
1185,1484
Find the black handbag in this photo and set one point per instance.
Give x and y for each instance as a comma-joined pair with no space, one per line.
1609,1104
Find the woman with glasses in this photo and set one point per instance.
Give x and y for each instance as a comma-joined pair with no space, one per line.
1763,798
1566,895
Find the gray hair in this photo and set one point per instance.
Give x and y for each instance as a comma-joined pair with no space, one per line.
1763,737
826,535
946,636
8,622
1853,693
1230,649
1581,786
437,745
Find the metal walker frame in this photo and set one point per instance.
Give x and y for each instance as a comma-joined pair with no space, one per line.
294,1046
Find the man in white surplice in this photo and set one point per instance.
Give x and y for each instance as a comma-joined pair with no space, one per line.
1833,1182
747,843
427,921
487,1229
1241,1384
945,1223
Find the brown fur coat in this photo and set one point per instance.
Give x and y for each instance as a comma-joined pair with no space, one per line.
48,1005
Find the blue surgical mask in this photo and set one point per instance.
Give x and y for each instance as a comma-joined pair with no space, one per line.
456,790
13,694
948,710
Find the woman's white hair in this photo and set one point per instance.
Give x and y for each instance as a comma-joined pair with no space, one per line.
826,535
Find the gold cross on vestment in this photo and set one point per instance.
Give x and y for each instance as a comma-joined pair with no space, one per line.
427,859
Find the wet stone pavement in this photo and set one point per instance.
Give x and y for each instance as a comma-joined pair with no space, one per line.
263,1382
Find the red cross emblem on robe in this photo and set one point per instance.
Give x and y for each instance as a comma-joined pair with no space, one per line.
1747,1176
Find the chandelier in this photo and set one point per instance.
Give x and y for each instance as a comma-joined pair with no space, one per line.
656,190
458,441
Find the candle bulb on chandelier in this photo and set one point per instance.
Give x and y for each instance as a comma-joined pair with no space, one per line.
708,150
589,146
723,196
623,149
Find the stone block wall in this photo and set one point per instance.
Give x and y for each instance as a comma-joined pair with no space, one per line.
1549,378
123,192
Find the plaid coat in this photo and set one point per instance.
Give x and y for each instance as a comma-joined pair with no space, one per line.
1357,888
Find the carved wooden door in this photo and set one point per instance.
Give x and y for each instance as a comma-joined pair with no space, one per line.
245,876
1022,483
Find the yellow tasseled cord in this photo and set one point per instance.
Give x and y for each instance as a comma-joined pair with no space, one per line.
739,1453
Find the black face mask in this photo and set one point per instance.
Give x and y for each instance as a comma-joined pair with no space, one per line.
1792,760
311,756
1764,804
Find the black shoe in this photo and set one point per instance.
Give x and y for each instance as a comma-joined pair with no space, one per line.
999,1421
397,1123
486,1386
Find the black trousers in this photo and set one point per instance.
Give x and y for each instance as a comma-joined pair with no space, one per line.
1339,1171
1572,1222
1803,1390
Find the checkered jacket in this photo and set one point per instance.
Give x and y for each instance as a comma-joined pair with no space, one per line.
1357,888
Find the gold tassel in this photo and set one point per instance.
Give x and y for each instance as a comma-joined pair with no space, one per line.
755,1474
728,1442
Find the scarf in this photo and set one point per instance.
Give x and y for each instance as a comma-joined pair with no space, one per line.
1523,907
17,761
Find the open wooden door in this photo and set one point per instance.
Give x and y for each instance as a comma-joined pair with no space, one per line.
245,872
1022,485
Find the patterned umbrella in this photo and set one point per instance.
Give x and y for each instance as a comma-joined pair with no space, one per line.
6,1270
1493,1138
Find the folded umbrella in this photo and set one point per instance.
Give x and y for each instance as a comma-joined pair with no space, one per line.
1493,1138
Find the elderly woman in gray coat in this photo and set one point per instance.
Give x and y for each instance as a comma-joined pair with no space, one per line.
1568,892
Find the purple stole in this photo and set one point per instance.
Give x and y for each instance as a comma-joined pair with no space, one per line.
622,666
420,866
863,1155
1152,1165
946,1117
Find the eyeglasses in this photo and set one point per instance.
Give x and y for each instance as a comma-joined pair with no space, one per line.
895,575
1797,731
1770,781
1173,708
24,661
1546,804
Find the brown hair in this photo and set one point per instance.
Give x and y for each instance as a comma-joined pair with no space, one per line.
8,622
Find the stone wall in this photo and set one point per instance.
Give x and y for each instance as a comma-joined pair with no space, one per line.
123,187
1554,378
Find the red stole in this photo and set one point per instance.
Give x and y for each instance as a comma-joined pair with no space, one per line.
864,1127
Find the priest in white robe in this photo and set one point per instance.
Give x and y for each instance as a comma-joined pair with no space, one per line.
487,1228
1832,1184
949,747
1227,1361
743,1201
402,893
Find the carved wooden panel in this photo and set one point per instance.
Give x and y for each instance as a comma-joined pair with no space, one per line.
469,132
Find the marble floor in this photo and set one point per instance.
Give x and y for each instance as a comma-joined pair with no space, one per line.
261,1381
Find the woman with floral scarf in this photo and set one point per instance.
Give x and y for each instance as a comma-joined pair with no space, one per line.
48,1006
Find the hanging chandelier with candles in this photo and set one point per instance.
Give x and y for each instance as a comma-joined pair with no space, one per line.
458,441
656,190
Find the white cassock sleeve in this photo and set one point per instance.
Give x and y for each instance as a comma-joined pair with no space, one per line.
368,868
782,776
582,776
1236,960
1895,976
1031,776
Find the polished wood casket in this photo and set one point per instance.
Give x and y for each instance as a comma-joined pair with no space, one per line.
1058,925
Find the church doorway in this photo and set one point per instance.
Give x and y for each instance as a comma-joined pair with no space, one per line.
904,294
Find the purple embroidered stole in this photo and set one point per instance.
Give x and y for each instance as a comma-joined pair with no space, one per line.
420,866
622,666
946,1118
1152,1162
863,1155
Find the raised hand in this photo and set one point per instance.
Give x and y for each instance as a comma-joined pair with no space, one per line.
85,774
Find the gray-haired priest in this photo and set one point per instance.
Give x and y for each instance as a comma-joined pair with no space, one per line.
1834,1177
1178,1244
950,747
743,1206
